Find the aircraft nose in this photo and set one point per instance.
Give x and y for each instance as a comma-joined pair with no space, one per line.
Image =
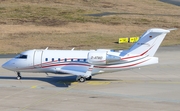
8,65
5,66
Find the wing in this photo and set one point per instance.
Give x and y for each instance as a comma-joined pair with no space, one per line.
78,71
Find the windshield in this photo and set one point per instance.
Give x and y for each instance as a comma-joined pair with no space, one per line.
21,56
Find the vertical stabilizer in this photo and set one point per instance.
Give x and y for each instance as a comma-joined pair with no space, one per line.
149,42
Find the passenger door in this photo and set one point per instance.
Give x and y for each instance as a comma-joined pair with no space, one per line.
37,62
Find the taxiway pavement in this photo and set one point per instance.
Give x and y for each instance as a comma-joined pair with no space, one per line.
150,88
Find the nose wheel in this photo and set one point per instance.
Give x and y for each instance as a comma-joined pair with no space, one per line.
18,76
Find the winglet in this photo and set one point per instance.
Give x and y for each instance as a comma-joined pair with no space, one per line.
89,71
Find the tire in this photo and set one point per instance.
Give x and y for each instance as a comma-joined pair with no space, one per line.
18,77
82,79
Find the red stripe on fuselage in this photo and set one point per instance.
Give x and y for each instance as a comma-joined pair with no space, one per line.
121,66
136,55
66,65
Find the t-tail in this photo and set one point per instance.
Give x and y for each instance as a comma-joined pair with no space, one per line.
148,43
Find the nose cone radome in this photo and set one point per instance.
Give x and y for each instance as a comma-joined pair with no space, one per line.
8,65
5,66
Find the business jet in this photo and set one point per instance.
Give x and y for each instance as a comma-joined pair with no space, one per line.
86,63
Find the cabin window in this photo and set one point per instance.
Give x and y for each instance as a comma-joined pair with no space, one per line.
74,60
21,56
52,59
59,59
84,60
65,59
46,59
71,60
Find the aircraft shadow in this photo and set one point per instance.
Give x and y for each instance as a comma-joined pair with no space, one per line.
109,80
57,81
54,80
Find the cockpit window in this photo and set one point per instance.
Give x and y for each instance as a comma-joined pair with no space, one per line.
21,56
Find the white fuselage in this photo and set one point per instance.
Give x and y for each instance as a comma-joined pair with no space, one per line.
52,61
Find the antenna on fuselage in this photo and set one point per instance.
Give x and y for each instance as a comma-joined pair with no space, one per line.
73,48
46,48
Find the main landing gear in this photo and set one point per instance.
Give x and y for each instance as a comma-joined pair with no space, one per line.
83,79
18,76
89,78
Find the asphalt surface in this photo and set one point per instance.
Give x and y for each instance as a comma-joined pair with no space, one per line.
174,2
150,88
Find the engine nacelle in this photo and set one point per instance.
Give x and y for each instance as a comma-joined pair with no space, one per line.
101,57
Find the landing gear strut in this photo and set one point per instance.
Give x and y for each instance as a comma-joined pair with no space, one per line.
89,78
18,76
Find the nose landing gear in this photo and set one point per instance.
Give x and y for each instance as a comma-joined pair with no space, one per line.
18,75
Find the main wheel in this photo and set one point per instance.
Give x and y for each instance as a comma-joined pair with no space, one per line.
82,79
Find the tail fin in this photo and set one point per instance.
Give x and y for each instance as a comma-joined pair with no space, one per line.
149,42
